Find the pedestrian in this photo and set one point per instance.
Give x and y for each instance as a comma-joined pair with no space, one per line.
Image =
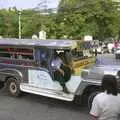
106,105
96,52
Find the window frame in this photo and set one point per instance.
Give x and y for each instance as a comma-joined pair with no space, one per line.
11,51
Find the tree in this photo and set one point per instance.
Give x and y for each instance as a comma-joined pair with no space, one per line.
8,23
74,19
98,16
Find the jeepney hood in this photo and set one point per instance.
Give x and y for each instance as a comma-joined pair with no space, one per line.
95,73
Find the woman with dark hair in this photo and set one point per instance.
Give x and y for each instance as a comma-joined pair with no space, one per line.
106,105
109,84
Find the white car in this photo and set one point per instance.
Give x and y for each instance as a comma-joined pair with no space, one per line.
117,54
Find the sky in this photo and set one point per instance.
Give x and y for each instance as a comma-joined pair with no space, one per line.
26,4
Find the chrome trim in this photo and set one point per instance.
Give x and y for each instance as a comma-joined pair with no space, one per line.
92,81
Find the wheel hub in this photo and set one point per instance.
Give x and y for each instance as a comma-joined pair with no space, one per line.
13,87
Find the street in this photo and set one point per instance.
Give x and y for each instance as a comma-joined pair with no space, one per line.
60,49
34,107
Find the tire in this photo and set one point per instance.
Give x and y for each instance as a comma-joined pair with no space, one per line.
91,97
1,85
13,87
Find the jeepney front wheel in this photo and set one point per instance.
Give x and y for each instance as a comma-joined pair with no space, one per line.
13,87
1,85
91,97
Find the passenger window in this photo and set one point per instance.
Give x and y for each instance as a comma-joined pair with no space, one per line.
44,58
7,55
17,53
4,53
44,55
25,54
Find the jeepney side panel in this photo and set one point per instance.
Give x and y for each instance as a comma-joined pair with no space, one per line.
17,71
41,78
15,67
86,86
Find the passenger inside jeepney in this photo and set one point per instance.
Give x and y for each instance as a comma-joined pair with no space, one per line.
43,64
68,57
44,59
74,52
67,66
59,70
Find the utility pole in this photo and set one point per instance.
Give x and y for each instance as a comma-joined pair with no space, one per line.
19,24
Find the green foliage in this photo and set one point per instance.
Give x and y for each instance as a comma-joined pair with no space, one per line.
8,23
101,18
74,19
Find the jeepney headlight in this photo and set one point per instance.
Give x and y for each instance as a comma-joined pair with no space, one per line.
84,73
92,74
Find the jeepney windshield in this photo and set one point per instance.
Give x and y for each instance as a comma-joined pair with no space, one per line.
75,58
66,55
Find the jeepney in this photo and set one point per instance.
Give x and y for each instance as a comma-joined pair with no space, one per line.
93,76
21,68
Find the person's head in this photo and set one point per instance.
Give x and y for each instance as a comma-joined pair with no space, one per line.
61,55
44,64
109,84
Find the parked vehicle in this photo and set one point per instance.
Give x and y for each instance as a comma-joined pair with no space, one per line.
21,68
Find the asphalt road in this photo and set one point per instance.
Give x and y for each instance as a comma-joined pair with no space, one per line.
34,107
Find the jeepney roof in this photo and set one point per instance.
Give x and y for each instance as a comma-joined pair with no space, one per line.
50,43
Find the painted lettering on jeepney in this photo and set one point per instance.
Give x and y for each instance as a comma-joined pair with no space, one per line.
41,76
41,79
